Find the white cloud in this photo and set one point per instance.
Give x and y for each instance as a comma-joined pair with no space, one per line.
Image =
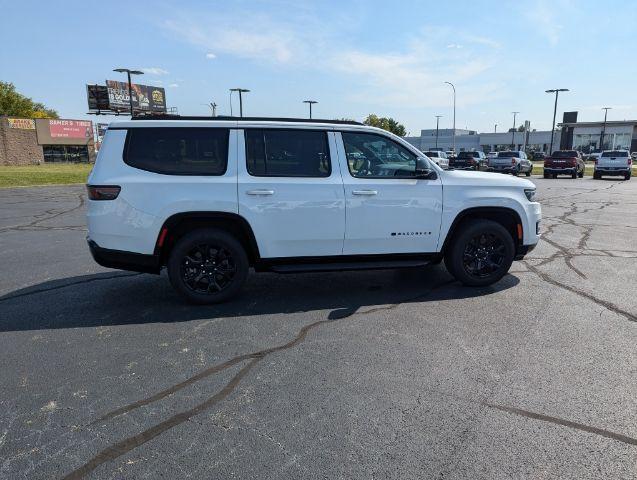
173,85
454,45
543,17
155,71
210,55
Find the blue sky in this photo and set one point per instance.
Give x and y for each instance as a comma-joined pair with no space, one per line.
353,57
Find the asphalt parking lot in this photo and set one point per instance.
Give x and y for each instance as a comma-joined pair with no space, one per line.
382,374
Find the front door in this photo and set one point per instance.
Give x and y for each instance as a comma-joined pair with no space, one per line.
291,191
388,210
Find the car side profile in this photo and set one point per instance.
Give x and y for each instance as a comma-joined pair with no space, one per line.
211,198
614,163
511,161
564,162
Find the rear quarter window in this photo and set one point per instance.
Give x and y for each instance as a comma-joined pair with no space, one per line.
178,151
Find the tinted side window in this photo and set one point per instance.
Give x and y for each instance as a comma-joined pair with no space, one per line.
371,155
287,153
178,151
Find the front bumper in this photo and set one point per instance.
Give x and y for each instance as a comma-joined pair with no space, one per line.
522,250
136,262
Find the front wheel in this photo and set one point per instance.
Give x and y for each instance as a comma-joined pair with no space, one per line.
481,253
207,266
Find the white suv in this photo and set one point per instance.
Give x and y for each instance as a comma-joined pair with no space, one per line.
210,198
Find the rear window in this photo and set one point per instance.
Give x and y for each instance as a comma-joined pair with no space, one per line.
466,155
432,154
178,151
287,153
507,154
615,153
564,154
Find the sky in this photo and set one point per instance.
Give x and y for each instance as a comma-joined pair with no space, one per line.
353,57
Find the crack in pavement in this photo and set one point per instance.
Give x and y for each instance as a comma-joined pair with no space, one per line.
118,449
35,222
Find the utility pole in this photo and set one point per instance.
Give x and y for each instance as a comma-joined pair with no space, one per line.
454,115
130,85
601,140
557,92
513,131
310,103
437,125
213,108
241,91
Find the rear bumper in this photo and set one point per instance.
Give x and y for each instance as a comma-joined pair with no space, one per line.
620,171
565,170
136,262
507,169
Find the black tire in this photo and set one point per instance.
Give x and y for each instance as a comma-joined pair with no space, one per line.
581,174
627,176
528,174
554,176
515,172
207,266
574,174
467,260
546,175
596,176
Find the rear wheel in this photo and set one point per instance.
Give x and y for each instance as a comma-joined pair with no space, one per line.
574,174
528,174
481,253
596,176
627,176
515,172
207,266
546,175
555,175
581,173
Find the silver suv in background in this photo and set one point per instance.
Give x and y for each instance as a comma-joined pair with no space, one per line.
512,161
614,163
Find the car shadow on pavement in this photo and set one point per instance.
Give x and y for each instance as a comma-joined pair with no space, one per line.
125,298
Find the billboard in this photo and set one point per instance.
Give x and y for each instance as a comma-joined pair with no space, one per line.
22,123
101,129
97,97
71,129
145,97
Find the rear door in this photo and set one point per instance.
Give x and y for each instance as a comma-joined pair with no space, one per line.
291,191
388,210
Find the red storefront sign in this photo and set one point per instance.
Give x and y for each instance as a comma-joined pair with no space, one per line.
71,128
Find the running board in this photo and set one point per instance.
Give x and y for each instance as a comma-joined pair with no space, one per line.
344,266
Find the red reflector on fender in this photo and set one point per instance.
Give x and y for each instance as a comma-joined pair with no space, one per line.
162,237
103,192
520,231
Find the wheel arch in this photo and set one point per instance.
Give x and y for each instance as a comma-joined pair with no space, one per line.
177,225
507,217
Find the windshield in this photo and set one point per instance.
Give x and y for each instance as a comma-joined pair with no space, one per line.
564,154
615,153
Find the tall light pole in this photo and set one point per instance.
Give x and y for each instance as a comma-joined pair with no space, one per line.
310,103
130,85
437,125
495,128
557,92
213,108
240,90
513,131
601,140
454,115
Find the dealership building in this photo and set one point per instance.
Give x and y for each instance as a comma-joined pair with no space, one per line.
26,141
583,136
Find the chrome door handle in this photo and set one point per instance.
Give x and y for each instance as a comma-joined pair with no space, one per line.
364,192
260,192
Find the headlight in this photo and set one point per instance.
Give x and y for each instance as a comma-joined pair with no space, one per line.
530,194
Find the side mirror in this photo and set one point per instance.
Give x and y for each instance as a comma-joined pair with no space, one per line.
424,171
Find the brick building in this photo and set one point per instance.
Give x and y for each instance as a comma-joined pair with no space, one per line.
26,141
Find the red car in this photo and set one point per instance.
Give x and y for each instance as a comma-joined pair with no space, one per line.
564,162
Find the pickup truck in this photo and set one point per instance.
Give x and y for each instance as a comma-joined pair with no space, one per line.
513,162
564,162
614,163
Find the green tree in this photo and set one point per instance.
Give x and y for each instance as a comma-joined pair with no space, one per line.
15,104
385,123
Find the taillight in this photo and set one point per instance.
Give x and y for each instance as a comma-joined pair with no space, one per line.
103,192
630,161
513,161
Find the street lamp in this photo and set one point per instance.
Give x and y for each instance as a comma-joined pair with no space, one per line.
437,124
495,128
601,140
310,103
130,85
213,108
557,92
513,131
240,90
454,115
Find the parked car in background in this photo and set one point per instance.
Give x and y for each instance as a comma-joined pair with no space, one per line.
439,157
538,156
564,162
593,155
614,163
491,155
634,156
211,198
467,161
511,161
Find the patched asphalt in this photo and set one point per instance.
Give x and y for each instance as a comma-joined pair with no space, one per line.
378,374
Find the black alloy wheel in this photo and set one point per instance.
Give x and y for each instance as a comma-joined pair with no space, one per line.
207,266
480,253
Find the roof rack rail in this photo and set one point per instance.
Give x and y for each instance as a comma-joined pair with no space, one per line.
244,119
